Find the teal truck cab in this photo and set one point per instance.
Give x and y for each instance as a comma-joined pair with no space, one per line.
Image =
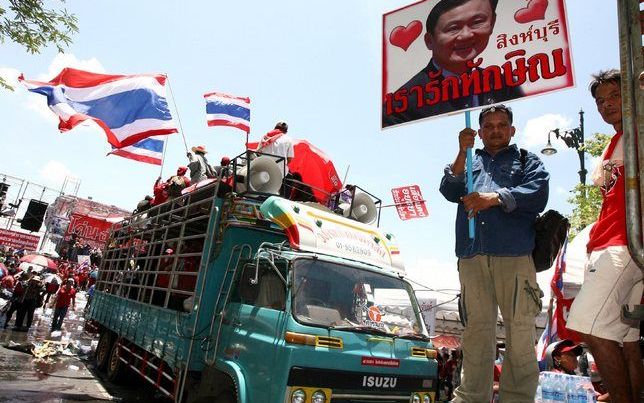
214,296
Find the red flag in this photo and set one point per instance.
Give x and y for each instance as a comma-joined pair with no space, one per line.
316,168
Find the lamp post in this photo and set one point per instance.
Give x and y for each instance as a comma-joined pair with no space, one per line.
573,138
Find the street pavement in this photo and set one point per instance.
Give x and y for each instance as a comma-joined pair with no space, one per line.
66,377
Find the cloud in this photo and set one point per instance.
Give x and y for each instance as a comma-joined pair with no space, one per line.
63,60
10,75
561,191
434,274
54,173
535,132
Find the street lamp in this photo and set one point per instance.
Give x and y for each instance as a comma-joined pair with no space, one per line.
573,138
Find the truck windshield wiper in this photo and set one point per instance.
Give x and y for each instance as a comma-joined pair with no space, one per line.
363,329
415,337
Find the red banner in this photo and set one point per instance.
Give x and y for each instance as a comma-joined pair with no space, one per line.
409,202
19,240
92,231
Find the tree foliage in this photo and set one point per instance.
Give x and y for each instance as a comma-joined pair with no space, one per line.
587,199
32,25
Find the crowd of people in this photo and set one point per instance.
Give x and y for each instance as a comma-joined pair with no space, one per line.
276,143
27,287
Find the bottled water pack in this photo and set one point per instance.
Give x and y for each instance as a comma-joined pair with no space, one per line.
562,388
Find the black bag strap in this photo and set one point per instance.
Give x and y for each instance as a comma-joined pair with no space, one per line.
523,158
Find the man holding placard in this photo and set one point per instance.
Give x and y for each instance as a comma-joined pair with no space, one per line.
496,269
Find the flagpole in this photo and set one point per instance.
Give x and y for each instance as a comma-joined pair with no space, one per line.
165,147
174,102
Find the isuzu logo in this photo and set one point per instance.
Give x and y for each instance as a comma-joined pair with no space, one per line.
383,382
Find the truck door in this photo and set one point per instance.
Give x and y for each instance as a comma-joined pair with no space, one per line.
254,326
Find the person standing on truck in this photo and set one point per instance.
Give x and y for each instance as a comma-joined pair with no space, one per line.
199,167
495,268
277,142
65,297
612,278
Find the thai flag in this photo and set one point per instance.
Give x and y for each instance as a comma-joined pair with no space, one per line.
129,108
548,337
556,284
227,110
149,150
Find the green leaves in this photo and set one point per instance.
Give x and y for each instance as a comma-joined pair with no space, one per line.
31,25
586,199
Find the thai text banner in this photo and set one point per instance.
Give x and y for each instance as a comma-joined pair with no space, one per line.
19,240
409,202
439,58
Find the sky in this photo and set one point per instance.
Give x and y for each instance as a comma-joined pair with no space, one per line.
316,65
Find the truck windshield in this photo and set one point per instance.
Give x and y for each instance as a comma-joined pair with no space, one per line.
343,297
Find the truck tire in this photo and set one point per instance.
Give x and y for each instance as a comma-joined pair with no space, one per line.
226,397
103,349
115,367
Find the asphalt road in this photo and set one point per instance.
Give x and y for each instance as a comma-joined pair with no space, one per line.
67,377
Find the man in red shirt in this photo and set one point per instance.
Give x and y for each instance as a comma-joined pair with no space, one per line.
66,296
612,278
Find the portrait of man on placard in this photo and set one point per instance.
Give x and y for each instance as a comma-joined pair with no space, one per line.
456,65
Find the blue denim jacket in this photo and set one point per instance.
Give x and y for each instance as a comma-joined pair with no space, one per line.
506,230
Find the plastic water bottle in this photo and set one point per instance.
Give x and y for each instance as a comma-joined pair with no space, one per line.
580,394
547,390
538,395
590,395
559,389
571,389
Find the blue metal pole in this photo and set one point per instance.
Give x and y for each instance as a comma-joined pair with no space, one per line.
468,168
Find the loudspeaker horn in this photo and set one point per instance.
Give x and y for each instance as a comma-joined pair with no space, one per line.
265,176
364,209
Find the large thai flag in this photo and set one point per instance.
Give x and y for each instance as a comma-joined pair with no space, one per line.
129,108
149,150
227,110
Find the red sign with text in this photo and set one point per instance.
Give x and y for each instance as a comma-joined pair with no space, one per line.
19,240
90,230
409,202
380,362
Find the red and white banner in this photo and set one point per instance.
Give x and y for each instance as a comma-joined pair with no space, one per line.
409,202
92,231
442,57
19,240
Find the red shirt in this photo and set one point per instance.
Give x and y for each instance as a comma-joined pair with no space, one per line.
610,228
65,295
8,282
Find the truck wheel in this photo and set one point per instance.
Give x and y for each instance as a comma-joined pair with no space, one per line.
115,367
226,397
103,349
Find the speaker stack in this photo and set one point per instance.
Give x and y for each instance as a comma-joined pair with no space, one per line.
32,221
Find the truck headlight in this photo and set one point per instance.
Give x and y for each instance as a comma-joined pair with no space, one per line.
415,398
318,397
299,396
427,399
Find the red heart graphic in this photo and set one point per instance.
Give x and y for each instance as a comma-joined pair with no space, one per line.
535,10
404,36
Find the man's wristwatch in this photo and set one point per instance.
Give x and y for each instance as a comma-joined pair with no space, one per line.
500,200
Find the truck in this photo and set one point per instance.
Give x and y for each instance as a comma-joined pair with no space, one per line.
245,296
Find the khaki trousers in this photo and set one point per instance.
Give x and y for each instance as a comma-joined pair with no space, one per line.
487,284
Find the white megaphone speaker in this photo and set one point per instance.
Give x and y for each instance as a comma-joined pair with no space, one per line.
265,176
364,209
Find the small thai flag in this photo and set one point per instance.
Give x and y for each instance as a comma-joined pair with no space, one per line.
129,108
227,110
149,150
